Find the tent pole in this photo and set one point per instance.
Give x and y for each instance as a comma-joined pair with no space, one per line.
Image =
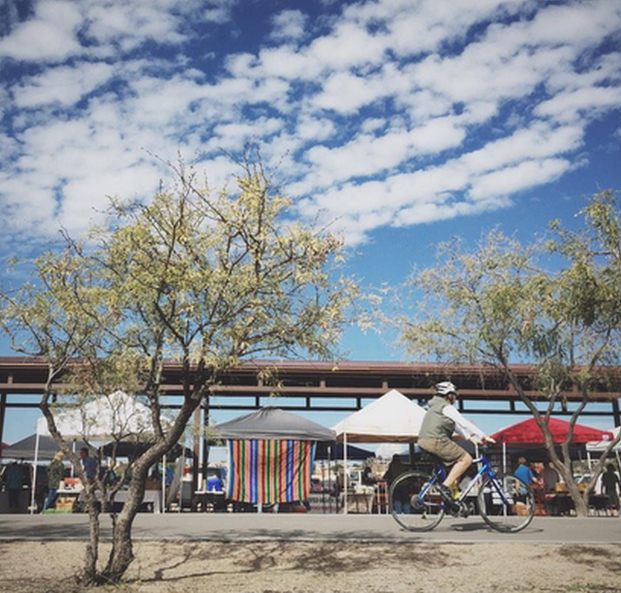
163,484
589,461
345,472
182,476
330,475
34,473
504,458
618,459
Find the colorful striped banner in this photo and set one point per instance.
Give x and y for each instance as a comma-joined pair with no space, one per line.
269,472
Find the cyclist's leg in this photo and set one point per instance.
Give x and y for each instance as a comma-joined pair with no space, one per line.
453,455
459,468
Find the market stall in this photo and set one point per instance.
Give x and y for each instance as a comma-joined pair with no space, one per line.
116,417
271,454
528,434
392,418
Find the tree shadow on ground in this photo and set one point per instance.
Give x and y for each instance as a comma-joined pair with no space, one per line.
594,556
327,558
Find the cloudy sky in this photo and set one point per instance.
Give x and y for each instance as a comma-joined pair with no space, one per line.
400,122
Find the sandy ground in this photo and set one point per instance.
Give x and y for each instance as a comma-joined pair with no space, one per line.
280,567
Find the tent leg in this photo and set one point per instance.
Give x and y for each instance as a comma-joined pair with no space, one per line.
34,475
345,472
504,458
182,476
2,416
330,485
163,507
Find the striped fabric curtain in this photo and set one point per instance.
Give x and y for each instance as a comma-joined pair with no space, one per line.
269,472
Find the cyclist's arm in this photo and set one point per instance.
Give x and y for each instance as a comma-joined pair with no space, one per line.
464,427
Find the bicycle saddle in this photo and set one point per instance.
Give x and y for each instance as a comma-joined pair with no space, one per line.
430,458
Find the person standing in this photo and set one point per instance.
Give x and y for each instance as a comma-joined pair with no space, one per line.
550,478
55,473
610,487
89,464
524,473
14,477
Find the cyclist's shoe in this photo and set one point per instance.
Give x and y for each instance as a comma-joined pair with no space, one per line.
446,493
448,497
460,509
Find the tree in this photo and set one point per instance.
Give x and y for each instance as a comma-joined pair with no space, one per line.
499,305
200,278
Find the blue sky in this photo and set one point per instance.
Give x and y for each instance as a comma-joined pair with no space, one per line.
400,122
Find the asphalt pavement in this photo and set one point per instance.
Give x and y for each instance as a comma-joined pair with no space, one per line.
226,527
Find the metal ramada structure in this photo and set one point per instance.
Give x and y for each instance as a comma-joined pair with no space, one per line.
330,386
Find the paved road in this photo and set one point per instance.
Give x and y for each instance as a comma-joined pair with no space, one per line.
253,527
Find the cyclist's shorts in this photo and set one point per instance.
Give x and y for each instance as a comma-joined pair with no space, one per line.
447,450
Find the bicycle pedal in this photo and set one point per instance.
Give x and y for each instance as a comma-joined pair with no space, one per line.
461,510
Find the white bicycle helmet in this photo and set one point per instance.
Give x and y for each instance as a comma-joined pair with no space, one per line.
445,388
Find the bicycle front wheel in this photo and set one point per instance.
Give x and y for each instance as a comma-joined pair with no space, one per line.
506,504
414,503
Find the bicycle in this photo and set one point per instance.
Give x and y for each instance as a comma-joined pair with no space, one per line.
505,502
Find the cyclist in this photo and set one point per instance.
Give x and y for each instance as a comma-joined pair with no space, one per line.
436,436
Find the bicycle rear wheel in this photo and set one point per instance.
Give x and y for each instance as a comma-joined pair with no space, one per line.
414,504
506,504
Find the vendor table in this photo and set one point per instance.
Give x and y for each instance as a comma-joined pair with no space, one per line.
210,500
153,497
561,503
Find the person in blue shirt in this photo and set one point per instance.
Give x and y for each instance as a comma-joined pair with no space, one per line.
89,464
524,472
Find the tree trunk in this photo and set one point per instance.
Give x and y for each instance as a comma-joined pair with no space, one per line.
581,506
122,553
89,574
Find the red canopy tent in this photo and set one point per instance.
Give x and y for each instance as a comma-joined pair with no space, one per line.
529,433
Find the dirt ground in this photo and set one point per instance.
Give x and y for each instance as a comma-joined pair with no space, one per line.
280,567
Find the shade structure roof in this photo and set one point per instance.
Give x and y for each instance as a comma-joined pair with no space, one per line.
25,448
3,445
393,418
528,432
116,416
272,424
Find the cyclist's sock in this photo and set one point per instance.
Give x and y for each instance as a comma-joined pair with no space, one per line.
446,493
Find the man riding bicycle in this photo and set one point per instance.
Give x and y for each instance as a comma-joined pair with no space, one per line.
436,436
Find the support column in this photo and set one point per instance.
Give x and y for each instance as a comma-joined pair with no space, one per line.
616,413
205,441
2,416
412,452
196,450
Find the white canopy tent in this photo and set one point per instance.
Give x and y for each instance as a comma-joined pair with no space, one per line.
600,446
393,418
110,417
116,416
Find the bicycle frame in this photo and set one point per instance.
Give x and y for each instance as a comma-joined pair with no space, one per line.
439,474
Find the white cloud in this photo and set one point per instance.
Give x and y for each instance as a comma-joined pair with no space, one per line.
50,36
288,25
571,105
108,25
65,85
510,180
